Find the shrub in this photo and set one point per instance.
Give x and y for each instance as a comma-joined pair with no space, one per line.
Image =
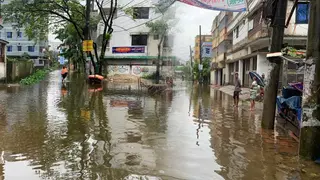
35,77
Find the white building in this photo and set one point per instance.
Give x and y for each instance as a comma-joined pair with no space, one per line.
131,45
19,43
251,39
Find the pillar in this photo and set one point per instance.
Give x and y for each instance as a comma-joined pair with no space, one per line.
310,128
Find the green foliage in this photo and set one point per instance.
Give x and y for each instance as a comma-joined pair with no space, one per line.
108,36
158,27
35,77
205,71
149,76
290,51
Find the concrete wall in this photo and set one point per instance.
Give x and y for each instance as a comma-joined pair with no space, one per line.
2,70
135,70
263,65
18,70
139,70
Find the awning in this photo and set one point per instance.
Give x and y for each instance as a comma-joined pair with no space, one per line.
244,57
298,61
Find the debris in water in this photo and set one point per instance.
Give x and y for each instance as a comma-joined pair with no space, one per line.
141,177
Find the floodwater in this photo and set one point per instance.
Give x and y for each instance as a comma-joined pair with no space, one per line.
50,131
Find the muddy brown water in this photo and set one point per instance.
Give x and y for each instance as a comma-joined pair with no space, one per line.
50,131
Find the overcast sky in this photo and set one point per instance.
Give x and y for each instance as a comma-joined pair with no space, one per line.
188,27
189,20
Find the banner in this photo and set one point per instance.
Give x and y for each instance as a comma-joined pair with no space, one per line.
117,50
218,5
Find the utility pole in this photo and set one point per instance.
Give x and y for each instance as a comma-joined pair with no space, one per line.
87,33
269,103
310,127
200,55
191,63
87,30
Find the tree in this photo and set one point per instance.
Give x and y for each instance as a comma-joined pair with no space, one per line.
205,71
162,28
36,16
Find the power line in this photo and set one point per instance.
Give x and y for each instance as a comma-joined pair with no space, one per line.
139,24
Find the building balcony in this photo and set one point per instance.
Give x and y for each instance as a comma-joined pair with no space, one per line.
257,33
221,58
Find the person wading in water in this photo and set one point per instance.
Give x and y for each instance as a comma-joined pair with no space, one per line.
237,90
64,73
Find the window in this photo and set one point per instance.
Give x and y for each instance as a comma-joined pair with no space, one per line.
141,13
19,34
236,31
42,49
166,41
19,48
30,48
106,12
250,25
156,36
207,50
9,48
302,13
40,61
9,34
139,40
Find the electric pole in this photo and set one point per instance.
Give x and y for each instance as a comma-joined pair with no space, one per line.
310,127
269,103
191,64
200,55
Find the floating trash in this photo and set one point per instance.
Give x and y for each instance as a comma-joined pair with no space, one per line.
141,177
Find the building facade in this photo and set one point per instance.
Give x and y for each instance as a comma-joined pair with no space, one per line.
3,60
246,40
20,44
204,38
132,47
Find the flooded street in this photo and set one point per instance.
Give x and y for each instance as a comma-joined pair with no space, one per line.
50,131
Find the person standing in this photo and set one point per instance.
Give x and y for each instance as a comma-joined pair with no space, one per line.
64,73
253,93
237,90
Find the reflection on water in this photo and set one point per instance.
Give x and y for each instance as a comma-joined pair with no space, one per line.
72,131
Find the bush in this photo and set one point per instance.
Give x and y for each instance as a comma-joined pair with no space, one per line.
35,77
149,76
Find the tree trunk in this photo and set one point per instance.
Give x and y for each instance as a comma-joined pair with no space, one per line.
158,65
158,60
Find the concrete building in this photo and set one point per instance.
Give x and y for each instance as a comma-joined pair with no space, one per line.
3,60
251,39
132,48
20,44
204,38
221,42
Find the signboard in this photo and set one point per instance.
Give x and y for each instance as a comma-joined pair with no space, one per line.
218,5
61,58
132,49
87,45
200,66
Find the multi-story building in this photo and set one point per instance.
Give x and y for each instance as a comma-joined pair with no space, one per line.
132,46
19,43
251,39
221,42
204,38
